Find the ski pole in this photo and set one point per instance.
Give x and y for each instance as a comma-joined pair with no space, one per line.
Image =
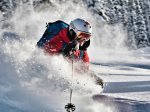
71,82
71,107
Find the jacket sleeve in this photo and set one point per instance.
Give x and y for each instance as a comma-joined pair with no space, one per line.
85,59
53,46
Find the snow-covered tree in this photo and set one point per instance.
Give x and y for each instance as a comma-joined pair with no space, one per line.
133,14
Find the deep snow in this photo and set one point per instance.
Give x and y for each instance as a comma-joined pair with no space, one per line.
31,81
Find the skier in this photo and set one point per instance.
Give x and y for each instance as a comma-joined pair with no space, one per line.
70,40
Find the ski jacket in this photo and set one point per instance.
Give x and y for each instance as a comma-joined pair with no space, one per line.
56,44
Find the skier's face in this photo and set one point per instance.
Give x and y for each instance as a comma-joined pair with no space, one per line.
83,37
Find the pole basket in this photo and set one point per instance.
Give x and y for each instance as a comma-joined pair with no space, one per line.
70,107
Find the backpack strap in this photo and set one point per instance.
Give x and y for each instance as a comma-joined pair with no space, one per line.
81,54
64,45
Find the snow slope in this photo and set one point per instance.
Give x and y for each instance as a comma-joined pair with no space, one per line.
31,81
31,85
127,78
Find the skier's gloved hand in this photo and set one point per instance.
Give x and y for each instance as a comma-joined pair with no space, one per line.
70,48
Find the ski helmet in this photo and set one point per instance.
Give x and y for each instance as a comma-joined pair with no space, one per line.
81,28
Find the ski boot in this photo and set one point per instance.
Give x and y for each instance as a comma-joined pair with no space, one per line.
99,81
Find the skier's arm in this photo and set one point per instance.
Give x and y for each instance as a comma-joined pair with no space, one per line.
68,50
85,59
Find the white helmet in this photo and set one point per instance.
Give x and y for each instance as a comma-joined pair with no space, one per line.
80,25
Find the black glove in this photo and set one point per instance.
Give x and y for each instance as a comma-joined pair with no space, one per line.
70,48
85,46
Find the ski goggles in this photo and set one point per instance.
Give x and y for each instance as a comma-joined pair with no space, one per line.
83,36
